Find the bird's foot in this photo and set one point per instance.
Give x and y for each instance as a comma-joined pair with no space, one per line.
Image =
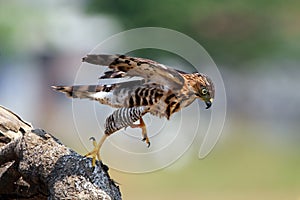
142,125
95,153
146,139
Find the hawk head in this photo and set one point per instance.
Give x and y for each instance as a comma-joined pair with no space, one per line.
205,89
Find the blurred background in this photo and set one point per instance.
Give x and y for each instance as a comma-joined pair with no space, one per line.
255,44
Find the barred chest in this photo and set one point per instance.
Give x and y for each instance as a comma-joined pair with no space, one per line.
171,103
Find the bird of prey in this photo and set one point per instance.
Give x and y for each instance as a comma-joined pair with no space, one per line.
160,91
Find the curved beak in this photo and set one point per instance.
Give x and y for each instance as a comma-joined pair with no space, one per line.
208,103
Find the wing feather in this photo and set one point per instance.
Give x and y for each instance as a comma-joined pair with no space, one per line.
125,66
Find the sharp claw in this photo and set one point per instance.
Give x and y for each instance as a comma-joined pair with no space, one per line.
95,153
147,141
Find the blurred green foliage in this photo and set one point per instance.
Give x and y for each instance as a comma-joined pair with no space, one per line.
18,24
232,31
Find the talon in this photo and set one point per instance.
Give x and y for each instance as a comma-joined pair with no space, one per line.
146,139
95,153
144,131
94,141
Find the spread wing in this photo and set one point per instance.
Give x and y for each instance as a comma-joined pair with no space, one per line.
125,66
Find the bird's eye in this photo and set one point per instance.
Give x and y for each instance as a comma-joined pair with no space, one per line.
204,91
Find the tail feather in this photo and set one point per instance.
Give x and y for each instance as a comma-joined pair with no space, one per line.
65,89
84,91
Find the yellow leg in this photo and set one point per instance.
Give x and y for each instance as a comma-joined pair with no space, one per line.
144,130
96,151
